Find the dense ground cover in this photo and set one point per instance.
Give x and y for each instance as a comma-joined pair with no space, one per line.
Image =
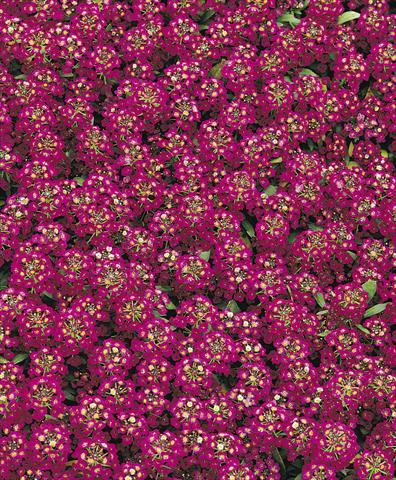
197,224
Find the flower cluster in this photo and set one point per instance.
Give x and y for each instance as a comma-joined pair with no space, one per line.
197,225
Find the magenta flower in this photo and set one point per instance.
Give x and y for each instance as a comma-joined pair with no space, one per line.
197,240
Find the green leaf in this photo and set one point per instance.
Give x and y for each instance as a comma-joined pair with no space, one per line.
288,18
363,329
292,236
276,160
170,306
370,287
50,417
324,334
348,17
20,357
205,255
308,71
352,164
163,288
352,254
320,300
3,360
79,180
311,145
278,458
248,228
156,314
69,394
380,307
271,190
233,306
4,279
215,71
315,228
207,15
298,477
246,241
